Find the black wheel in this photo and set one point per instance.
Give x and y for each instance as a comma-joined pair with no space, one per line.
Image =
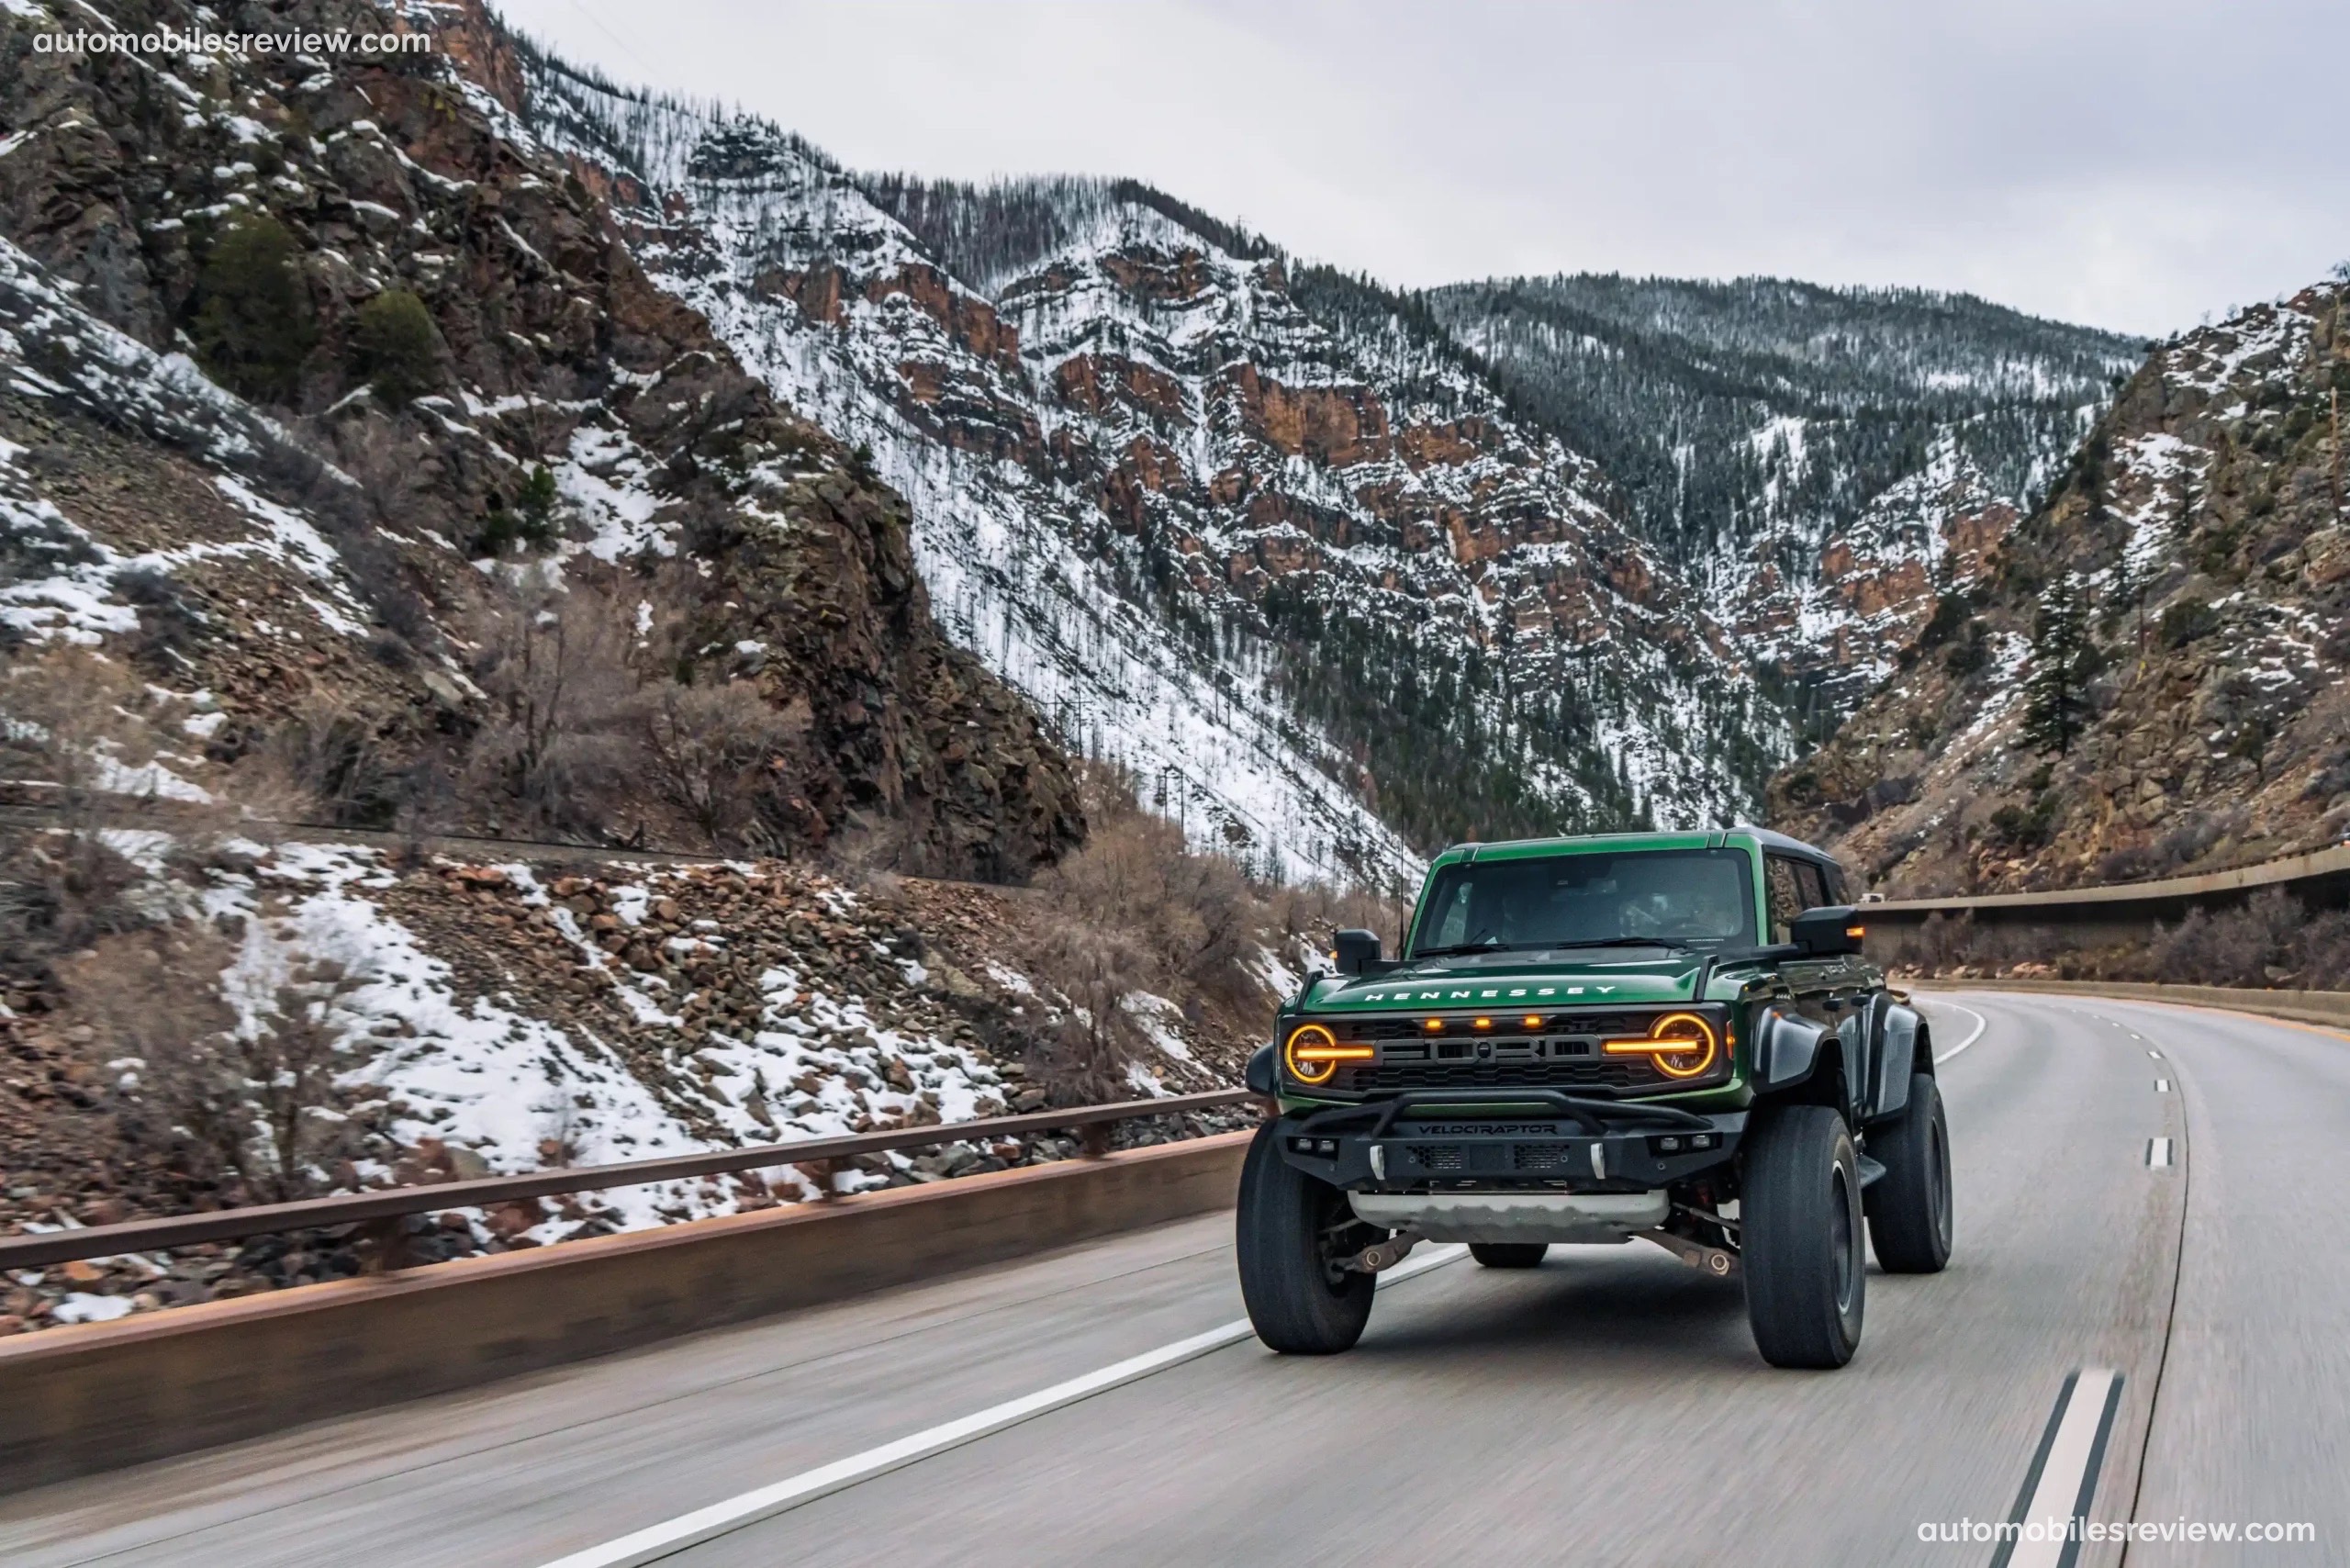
1509,1254
1292,1233
1908,1206
1799,1237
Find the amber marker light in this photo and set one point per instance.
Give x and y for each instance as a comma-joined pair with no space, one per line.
1313,1054
1856,932
1483,1024
1434,1025
1531,1021
1682,1044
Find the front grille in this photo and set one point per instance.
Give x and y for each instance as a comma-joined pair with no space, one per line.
1571,1022
1438,1156
1539,1155
1571,1072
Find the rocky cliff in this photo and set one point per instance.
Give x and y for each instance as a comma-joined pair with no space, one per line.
1252,532
1825,461
404,310
2154,674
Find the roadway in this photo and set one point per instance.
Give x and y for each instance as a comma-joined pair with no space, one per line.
1605,1408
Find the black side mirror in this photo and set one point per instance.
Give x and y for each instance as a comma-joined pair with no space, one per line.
1828,932
1259,1074
1355,951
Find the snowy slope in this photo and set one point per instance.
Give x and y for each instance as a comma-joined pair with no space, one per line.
1156,493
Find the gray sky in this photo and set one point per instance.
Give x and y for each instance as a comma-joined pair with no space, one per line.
2133,163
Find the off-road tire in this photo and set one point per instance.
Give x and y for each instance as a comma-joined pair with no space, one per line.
1283,1233
1800,1223
1909,1206
1509,1254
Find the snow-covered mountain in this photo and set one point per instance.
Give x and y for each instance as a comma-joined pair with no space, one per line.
1297,567
2156,674
1830,463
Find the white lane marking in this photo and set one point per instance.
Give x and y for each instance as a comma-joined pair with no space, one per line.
2157,1153
2063,1482
2162,1085
675,1535
1980,1024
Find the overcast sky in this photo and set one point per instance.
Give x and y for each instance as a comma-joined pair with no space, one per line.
2133,163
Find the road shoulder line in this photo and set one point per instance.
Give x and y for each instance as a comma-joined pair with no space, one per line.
672,1536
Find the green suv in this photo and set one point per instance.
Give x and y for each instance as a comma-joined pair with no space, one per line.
1667,1035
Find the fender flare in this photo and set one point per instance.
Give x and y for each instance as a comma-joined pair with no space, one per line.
1896,1055
1786,1050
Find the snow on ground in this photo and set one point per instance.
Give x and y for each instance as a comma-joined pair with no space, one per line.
492,1080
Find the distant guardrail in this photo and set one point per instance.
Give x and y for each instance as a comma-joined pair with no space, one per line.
2319,879
385,1207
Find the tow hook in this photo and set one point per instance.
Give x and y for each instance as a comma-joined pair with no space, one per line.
1717,1262
1385,1254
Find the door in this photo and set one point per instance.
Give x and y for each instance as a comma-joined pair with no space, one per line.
1829,992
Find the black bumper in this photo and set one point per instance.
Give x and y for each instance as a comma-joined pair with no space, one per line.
1538,1139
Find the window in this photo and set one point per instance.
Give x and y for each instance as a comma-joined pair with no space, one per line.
1703,897
1815,886
1786,894
1837,891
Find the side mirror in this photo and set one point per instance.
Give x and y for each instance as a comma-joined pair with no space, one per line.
1828,932
1355,951
1259,1074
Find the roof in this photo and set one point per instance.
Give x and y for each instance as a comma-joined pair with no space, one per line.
1658,838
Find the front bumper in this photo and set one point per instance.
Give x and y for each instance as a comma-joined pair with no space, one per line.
1530,1140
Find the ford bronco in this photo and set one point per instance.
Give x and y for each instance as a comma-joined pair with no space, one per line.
1672,1036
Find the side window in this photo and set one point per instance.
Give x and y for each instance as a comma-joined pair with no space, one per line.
1785,895
1838,891
1815,887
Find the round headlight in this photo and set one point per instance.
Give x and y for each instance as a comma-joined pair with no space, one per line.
1695,1055
1310,1071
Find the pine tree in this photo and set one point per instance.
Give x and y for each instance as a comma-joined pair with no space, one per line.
253,325
2055,698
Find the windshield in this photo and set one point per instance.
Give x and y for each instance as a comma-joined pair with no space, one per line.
1701,898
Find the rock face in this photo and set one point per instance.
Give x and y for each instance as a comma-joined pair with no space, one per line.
1825,461
1263,536
2156,675
323,545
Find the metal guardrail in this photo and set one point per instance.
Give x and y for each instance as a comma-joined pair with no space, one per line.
393,1203
2318,877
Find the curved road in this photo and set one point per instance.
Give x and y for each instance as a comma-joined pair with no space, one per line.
1605,1408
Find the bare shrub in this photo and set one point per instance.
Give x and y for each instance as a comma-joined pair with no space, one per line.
2247,946
1088,1052
1189,913
335,767
219,1088
709,750
67,721
1136,909
555,750
153,999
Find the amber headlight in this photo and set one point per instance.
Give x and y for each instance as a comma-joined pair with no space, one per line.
1682,1044
1312,1054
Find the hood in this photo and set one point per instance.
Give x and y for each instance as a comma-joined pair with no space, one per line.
1512,980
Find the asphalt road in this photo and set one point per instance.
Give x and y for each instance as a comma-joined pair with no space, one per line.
1605,1408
